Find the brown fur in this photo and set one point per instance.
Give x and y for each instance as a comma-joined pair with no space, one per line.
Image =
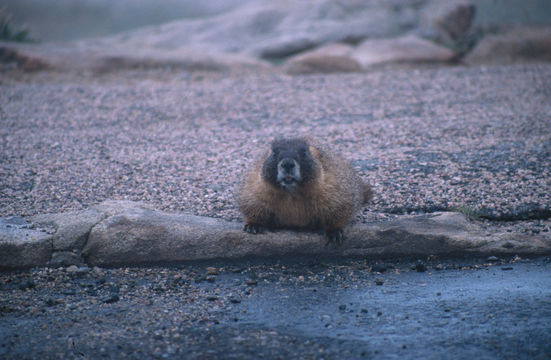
327,201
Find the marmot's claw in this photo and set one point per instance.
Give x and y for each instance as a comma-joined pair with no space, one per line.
253,228
335,237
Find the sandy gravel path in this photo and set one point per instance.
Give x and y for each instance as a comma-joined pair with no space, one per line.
474,139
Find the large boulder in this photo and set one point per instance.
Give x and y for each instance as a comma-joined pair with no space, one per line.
277,29
515,45
447,22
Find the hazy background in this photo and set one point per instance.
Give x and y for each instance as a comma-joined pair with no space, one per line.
63,20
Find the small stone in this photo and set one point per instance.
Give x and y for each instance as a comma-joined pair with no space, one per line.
380,268
72,269
492,259
212,270
235,300
212,298
364,311
379,282
342,307
111,298
252,282
210,278
29,284
507,268
420,267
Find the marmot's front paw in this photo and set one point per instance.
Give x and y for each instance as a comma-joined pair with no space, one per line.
335,237
253,228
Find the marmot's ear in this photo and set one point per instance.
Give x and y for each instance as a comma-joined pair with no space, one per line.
315,153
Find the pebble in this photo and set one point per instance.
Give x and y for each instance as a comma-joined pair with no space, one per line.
212,271
420,266
112,298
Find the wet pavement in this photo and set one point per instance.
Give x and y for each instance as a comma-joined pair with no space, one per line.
302,308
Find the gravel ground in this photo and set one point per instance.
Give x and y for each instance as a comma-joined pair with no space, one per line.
301,309
476,140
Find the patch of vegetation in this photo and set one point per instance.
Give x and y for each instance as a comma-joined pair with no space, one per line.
8,31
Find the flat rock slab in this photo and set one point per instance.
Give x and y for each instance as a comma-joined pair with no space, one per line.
124,233
85,57
22,246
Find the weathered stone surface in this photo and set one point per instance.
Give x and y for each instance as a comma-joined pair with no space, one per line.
71,57
133,233
21,246
447,22
65,258
325,59
515,45
276,29
406,49
71,228
140,235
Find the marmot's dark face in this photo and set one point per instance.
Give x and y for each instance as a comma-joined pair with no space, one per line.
289,165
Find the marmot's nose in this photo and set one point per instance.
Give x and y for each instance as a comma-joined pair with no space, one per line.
288,164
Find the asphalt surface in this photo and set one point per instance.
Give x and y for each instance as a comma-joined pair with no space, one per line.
298,308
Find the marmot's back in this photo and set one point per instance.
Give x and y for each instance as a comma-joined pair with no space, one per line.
301,184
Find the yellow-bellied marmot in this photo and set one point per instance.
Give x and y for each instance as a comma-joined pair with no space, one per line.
301,184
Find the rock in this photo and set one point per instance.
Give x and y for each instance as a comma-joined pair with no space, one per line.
275,29
72,269
71,228
65,258
515,45
212,270
112,298
113,57
21,246
133,233
405,49
447,22
325,59
138,235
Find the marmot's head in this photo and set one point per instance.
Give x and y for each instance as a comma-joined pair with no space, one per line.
290,163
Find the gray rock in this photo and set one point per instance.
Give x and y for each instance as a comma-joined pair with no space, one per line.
113,57
140,235
275,29
405,49
516,45
447,22
325,59
21,246
71,228
66,258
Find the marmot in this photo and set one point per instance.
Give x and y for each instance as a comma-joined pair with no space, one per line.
300,184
